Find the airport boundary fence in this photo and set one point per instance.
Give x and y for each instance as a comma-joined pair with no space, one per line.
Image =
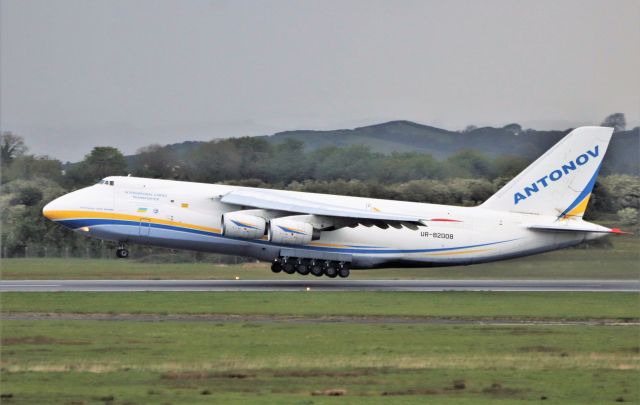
106,250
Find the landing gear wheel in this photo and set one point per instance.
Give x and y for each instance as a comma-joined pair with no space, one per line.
302,268
122,253
288,267
331,271
343,270
316,269
276,267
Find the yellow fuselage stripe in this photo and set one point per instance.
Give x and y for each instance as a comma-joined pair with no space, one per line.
464,252
322,244
61,215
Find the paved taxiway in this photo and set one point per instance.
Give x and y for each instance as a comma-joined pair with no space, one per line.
321,285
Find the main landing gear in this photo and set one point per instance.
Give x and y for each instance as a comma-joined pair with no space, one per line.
122,252
318,268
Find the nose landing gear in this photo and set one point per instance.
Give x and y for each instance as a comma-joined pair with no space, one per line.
122,252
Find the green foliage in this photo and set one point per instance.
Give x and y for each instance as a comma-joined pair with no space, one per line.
281,163
11,146
103,161
409,166
239,159
21,205
628,216
157,162
28,196
22,224
509,166
425,190
623,191
30,167
617,121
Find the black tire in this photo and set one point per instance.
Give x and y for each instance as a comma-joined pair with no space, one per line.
122,253
276,267
288,268
343,272
316,269
331,271
303,269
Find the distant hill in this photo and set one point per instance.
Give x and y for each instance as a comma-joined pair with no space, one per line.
394,136
623,155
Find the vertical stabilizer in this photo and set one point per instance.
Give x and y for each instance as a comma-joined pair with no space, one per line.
559,182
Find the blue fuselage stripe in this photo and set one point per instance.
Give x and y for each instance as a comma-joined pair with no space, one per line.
82,222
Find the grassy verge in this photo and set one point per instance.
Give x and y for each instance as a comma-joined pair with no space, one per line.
186,362
544,305
620,261
176,362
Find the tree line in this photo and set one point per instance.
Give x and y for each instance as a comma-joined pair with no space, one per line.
466,178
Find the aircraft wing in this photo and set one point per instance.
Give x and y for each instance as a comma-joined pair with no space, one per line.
264,199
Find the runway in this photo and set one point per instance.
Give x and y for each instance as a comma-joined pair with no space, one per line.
320,285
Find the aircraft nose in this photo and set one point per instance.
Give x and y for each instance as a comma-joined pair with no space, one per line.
46,210
53,210
49,210
68,206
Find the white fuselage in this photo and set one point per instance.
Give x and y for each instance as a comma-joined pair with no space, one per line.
186,215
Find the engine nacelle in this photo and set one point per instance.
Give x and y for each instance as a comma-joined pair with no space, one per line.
286,231
239,225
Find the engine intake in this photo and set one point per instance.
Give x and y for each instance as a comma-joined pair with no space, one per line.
289,232
239,225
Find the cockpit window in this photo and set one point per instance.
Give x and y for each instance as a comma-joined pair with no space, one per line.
111,183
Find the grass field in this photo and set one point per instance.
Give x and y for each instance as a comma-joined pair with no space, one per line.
276,359
621,261
175,362
466,305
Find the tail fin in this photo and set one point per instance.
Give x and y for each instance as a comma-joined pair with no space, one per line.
560,181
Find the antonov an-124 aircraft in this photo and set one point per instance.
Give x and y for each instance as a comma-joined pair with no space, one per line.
539,210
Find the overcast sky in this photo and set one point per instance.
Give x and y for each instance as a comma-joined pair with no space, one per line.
76,74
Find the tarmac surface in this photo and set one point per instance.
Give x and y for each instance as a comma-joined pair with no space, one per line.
320,285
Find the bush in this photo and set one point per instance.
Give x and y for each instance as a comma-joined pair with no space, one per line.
28,196
628,216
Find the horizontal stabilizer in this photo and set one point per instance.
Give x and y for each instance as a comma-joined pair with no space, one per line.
617,231
591,228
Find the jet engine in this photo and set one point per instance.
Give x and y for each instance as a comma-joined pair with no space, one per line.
290,232
239,225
